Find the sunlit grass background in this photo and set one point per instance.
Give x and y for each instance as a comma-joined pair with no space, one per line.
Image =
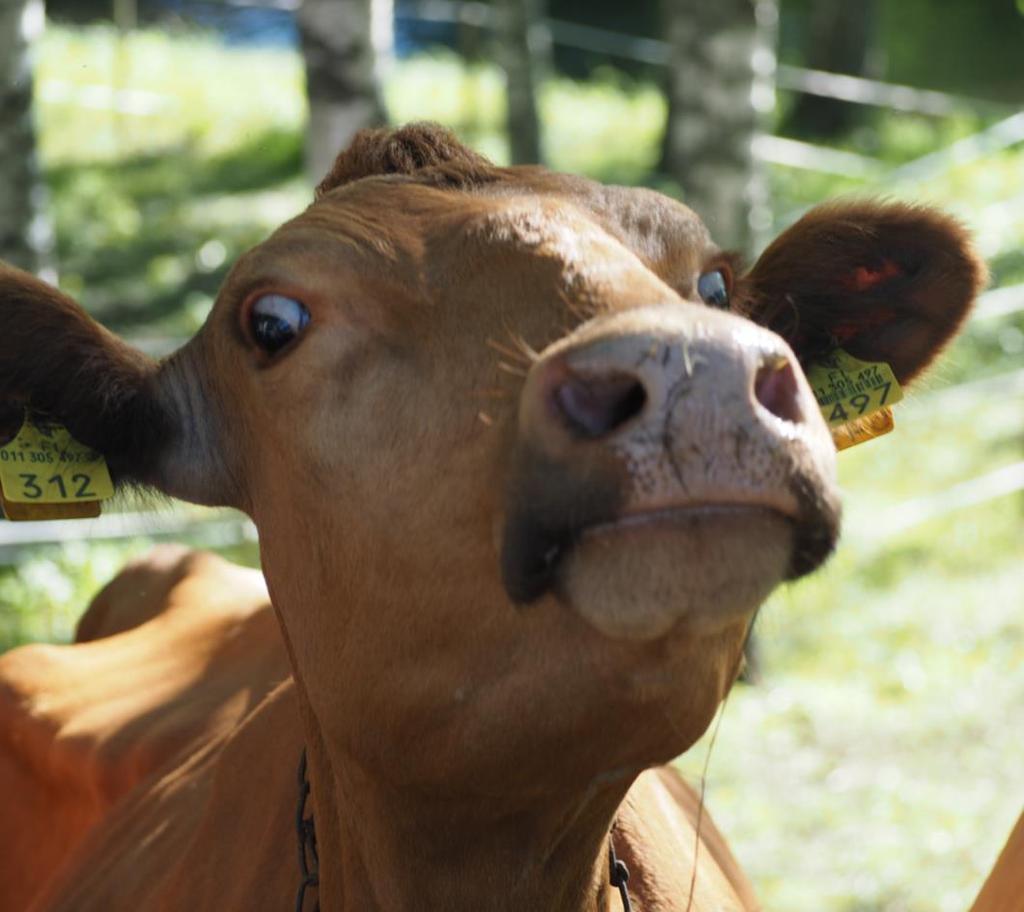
878,765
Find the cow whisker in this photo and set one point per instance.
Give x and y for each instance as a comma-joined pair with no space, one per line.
511,369
491,392
524,347
514,354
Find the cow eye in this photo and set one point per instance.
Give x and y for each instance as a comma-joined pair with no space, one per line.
276,320
713,288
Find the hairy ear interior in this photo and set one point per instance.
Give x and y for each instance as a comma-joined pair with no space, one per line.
887,282
56,360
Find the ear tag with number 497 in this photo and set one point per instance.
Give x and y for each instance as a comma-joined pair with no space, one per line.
855,397
46,474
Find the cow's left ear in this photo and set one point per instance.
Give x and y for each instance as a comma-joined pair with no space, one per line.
886,282
157,424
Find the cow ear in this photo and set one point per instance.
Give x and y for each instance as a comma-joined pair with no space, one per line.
57,361
886,282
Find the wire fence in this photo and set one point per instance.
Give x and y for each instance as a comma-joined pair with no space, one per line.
207,529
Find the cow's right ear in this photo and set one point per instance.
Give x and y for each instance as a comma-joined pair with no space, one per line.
886,281
142,415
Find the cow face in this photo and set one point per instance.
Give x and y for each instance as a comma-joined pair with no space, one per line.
524,452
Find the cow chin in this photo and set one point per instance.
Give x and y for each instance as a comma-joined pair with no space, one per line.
692,571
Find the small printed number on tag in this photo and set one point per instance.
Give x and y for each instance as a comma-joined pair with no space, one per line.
44,464
848,389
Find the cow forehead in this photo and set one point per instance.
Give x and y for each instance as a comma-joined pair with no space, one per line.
652,225
667,236
423,238
529,208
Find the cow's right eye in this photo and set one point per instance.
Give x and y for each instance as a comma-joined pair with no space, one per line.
713,287
276,321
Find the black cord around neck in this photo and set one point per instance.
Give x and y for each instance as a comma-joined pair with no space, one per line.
309,859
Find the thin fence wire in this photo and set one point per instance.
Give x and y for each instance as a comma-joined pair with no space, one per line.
221,530
998,137
999,302
901,518
969,394
655,52
1001,135
795,153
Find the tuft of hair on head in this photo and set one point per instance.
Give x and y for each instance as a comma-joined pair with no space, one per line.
426,150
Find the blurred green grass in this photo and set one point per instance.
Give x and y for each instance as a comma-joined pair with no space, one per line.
878,765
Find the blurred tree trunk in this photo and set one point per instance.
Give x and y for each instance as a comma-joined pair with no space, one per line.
22,233
524,49
342,74
838,40
720,87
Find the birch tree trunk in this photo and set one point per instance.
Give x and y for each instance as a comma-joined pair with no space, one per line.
524,47
720,87
340,42
22,228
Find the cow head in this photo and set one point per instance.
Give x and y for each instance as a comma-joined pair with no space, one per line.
525,452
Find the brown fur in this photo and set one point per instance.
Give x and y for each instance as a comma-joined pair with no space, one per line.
197,641
468,588
429,151
1004,889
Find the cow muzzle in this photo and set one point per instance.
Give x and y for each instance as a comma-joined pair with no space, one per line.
671,464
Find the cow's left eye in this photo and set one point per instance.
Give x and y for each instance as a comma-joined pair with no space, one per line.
276,320
714,289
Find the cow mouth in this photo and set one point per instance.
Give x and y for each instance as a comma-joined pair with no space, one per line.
674,515
667,560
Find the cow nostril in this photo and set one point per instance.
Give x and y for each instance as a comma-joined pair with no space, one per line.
776,389
594,406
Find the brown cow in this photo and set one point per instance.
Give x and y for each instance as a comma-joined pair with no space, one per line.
521,481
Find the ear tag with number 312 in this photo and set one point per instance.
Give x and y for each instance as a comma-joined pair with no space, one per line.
46,474
855,397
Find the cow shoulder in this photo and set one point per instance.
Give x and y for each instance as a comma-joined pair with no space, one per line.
164,847
177,649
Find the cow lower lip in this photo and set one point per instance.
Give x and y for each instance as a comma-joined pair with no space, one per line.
678,513
815,529
534,553
692,567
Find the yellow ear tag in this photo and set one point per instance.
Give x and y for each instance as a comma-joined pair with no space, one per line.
854,396
46,474
863,429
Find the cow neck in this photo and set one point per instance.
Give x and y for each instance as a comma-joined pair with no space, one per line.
362,857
